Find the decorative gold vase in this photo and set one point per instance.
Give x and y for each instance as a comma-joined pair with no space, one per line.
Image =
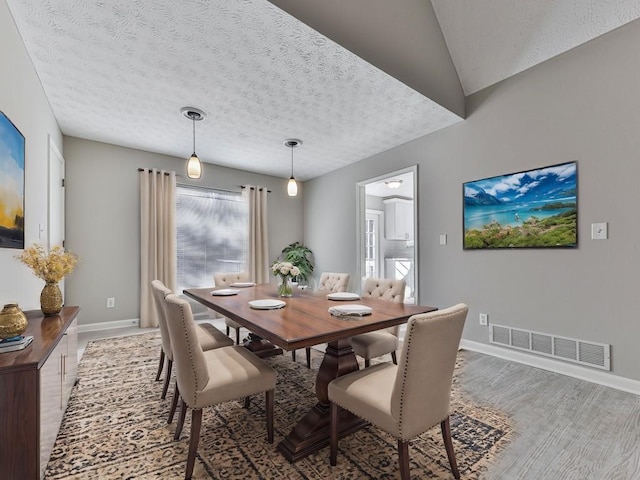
51,299
13,321
285,289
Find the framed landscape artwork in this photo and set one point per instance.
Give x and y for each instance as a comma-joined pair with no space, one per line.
530,209
11,185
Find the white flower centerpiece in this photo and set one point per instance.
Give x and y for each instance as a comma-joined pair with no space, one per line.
286,271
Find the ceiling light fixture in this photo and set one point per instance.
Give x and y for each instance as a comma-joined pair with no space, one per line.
194,167
292,186
395,183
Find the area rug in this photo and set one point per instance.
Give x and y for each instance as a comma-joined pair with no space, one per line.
115,427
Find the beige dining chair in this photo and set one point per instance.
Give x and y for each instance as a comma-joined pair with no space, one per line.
224,279
208,336
375,344
329,283
408,399
209,378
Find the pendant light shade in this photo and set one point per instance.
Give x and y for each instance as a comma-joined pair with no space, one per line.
292,186
194,166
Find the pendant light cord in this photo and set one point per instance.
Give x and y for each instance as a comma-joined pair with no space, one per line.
193,118
291,161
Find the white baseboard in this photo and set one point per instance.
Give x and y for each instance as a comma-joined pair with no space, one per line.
93,327
571,370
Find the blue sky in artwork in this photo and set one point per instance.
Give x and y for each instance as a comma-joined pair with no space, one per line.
11,143
555,182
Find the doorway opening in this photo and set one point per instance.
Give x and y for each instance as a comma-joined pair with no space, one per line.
387,228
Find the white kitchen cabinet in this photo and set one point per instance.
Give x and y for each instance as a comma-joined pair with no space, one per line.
398,219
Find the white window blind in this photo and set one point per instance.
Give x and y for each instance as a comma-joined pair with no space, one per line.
212,231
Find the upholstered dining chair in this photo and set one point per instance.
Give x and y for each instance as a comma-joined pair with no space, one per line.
329,283
208,336
212,377
375,344
408,399
224,279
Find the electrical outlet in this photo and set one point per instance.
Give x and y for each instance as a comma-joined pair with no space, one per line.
111,302
484,319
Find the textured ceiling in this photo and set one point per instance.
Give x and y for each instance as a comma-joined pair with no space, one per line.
119,71
491,40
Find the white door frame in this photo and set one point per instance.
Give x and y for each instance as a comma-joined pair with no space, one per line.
55,197
361,216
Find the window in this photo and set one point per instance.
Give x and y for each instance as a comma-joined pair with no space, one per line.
371,244
212,231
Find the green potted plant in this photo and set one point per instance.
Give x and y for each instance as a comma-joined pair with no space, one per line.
300,256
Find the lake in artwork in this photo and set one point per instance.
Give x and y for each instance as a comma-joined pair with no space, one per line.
534,208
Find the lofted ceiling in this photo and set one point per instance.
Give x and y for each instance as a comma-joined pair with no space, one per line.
120,71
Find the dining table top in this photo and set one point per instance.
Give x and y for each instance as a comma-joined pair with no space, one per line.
305,320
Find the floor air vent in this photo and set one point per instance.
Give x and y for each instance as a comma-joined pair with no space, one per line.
592,354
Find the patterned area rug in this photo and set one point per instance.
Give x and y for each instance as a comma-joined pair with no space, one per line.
116,427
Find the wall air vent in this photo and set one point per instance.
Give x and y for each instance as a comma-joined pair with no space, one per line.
591,354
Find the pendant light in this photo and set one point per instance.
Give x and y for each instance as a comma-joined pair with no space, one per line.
292,186
194,166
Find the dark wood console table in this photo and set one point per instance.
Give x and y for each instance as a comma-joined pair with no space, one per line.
35,384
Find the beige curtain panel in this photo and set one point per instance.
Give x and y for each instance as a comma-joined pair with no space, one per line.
157,238
258,261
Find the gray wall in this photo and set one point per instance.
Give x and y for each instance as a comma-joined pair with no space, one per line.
579,106
103,216
22,99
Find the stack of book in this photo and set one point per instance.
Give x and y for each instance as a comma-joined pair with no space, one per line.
15,343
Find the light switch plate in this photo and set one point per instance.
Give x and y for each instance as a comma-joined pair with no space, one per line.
599,231
443,239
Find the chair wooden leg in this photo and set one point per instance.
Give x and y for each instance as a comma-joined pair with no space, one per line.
403,460
247,401
333,426
237,336
160,365
196,423
293,355
183,413
367,362
174,403
448,444
308,358
167,380
268,399
394,358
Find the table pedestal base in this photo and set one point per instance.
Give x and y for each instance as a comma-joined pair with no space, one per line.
312,433
260,347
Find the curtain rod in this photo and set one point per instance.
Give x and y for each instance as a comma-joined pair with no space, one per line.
140,169
253,188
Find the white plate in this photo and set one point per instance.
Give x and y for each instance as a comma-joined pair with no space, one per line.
225,291
266,304
353,310
242,284
343,296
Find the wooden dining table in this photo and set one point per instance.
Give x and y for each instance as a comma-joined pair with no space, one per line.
303,322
